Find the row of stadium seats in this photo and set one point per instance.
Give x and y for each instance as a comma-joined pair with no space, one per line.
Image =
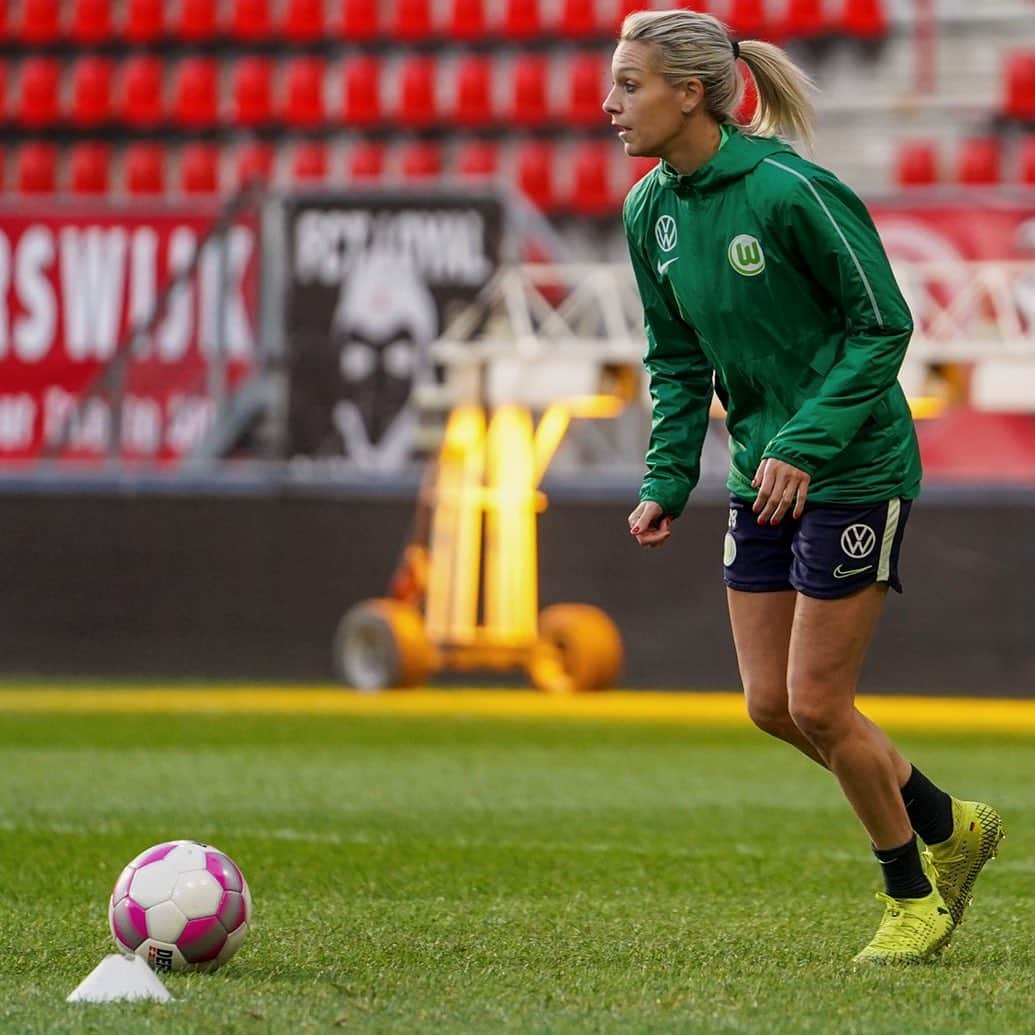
92,22
979,162
587,178
528,89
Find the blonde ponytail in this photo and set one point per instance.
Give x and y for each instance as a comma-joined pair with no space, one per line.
784,106
691,45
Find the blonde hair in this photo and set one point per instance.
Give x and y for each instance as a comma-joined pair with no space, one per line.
694,45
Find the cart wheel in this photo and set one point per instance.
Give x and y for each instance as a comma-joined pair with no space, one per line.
579,648
381,643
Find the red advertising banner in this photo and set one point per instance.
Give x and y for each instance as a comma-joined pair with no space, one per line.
75,283
976,228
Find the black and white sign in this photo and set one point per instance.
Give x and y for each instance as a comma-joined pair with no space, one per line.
372,281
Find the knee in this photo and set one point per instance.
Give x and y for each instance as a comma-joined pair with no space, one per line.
769,712
822,721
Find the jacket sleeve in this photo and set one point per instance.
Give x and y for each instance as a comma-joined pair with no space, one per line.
833,234
680,390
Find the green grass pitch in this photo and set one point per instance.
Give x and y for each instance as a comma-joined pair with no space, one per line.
443,875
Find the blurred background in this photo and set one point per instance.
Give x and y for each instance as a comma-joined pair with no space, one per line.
255,253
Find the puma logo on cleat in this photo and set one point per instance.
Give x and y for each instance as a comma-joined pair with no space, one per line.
844,573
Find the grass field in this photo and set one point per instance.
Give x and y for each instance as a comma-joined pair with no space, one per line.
450,874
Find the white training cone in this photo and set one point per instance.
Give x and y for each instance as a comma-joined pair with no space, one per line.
120,977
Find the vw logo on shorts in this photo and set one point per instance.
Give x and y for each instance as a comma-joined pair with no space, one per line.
858,540
665,232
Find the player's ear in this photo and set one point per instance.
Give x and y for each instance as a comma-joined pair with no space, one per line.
691,95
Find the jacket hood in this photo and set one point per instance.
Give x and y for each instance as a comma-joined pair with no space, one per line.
735,159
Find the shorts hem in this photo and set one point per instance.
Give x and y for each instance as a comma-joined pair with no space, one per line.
754,587
837,592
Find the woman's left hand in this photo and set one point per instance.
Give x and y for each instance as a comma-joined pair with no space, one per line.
779,486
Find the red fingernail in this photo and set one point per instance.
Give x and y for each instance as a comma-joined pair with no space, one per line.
636,530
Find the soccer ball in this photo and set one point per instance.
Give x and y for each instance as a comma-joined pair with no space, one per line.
181,905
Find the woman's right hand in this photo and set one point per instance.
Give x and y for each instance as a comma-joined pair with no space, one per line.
650,525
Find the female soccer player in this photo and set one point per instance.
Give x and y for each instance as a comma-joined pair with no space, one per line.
763,280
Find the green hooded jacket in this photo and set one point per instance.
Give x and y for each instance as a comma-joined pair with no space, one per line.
762,277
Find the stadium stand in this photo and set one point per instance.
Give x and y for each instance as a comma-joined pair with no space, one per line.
521,74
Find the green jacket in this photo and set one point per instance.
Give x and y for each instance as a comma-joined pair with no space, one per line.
762,276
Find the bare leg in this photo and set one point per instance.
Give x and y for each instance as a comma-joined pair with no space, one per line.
829,639
761,624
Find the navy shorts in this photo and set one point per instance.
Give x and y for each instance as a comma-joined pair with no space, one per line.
832,550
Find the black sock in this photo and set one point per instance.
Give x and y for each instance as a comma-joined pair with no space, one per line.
903,874
929,808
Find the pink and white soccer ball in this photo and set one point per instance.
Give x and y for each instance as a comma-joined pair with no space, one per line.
181,905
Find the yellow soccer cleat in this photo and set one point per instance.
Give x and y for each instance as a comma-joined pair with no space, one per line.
977,830
912,929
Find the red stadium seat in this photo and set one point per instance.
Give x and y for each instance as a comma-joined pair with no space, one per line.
529,82
416,105
91,92
251,91
747,18
864,19
199,169
804,19
89,165
3,89
1019,100
623,8
638,168
412,21
366,161
144,168
303,100
144,21
359,20
361,92
309,162
749,100
39,94
303,21
254,162
472,104
477,159
250,21
980,162
522,20
421,160
592,193
701,6
579,19
196,93
1026,161
586,90
467,20
198,21
91,22
139,101
535,162
40,21
36,168
917,164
